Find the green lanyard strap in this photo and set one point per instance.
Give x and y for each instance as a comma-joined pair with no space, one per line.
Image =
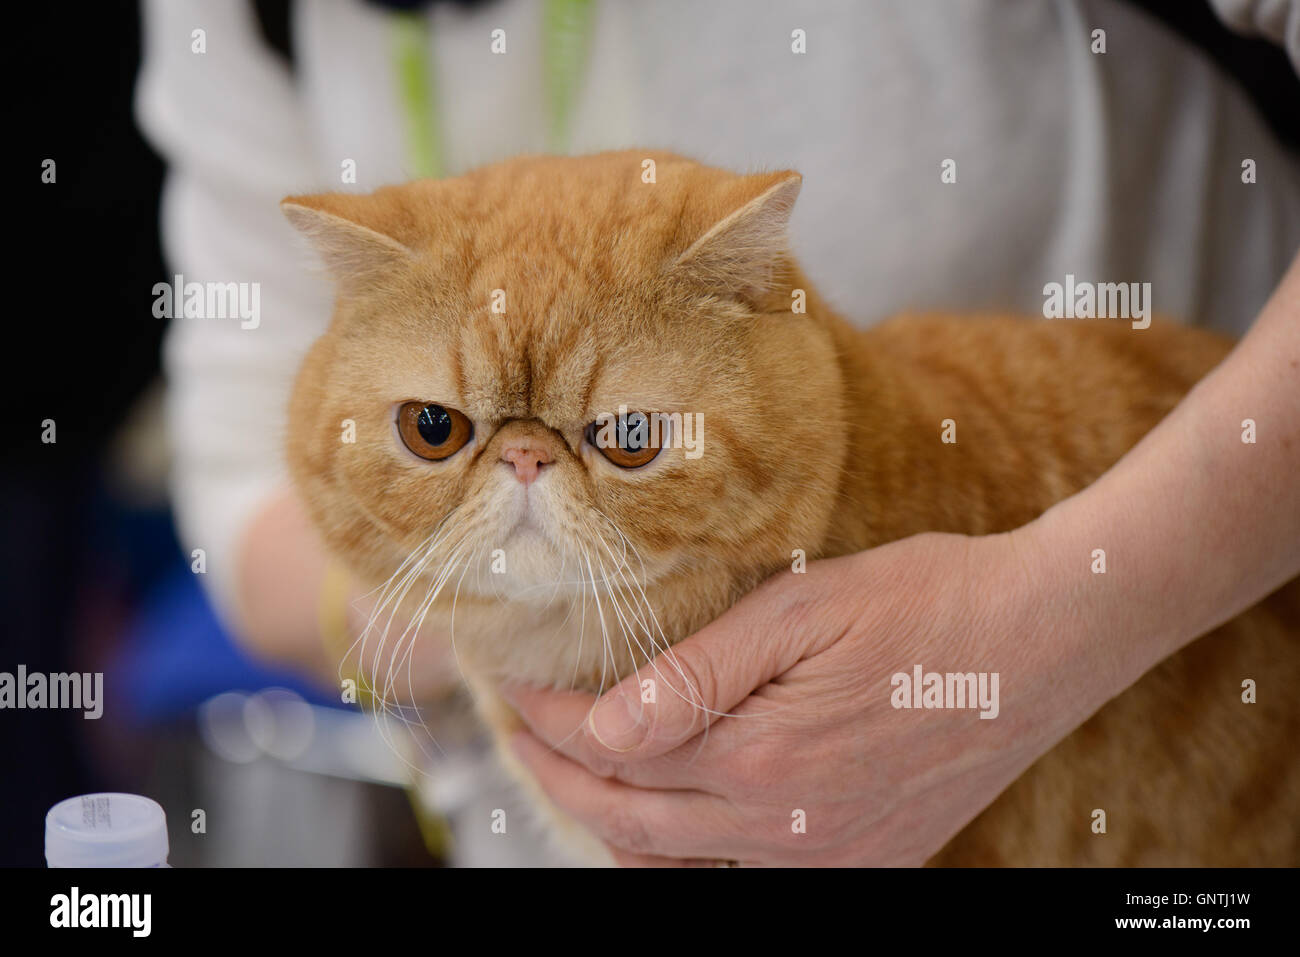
566,32
566,26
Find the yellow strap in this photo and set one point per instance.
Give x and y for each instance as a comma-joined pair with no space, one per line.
336,639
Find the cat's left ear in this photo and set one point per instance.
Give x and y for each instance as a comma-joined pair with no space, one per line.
742,252
355,254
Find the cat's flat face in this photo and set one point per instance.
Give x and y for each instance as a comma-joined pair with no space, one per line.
562,378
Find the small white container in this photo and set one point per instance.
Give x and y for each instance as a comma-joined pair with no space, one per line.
106,830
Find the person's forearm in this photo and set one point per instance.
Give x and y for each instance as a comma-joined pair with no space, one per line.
281,573
1196,524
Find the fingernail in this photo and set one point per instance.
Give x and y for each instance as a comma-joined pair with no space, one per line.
618,722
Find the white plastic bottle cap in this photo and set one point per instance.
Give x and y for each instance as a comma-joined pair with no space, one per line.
106,830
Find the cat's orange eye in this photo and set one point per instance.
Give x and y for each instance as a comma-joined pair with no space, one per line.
433,431
629,441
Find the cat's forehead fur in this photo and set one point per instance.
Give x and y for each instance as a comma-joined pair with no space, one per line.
542,287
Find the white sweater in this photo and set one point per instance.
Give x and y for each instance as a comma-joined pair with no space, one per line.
1122,166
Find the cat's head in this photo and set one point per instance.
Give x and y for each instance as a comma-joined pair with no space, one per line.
505,343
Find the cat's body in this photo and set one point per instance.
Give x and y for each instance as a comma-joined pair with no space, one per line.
676,296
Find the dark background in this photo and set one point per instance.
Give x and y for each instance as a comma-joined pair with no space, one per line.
82,345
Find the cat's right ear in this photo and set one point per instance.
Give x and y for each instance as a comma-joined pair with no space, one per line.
356,255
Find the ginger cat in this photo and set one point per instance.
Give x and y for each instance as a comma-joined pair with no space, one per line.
488,327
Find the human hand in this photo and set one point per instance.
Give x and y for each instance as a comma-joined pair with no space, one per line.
801,669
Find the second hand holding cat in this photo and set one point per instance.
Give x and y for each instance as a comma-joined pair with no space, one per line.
806,761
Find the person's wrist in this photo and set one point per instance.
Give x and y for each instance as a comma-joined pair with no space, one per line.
1058,635
1118,610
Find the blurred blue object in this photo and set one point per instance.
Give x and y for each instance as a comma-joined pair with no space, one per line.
176,655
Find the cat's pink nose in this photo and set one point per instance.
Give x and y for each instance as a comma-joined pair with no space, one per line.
527,458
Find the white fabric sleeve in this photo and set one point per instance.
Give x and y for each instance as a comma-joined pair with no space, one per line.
229,124
1276,20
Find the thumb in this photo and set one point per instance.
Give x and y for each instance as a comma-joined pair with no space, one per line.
690,685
